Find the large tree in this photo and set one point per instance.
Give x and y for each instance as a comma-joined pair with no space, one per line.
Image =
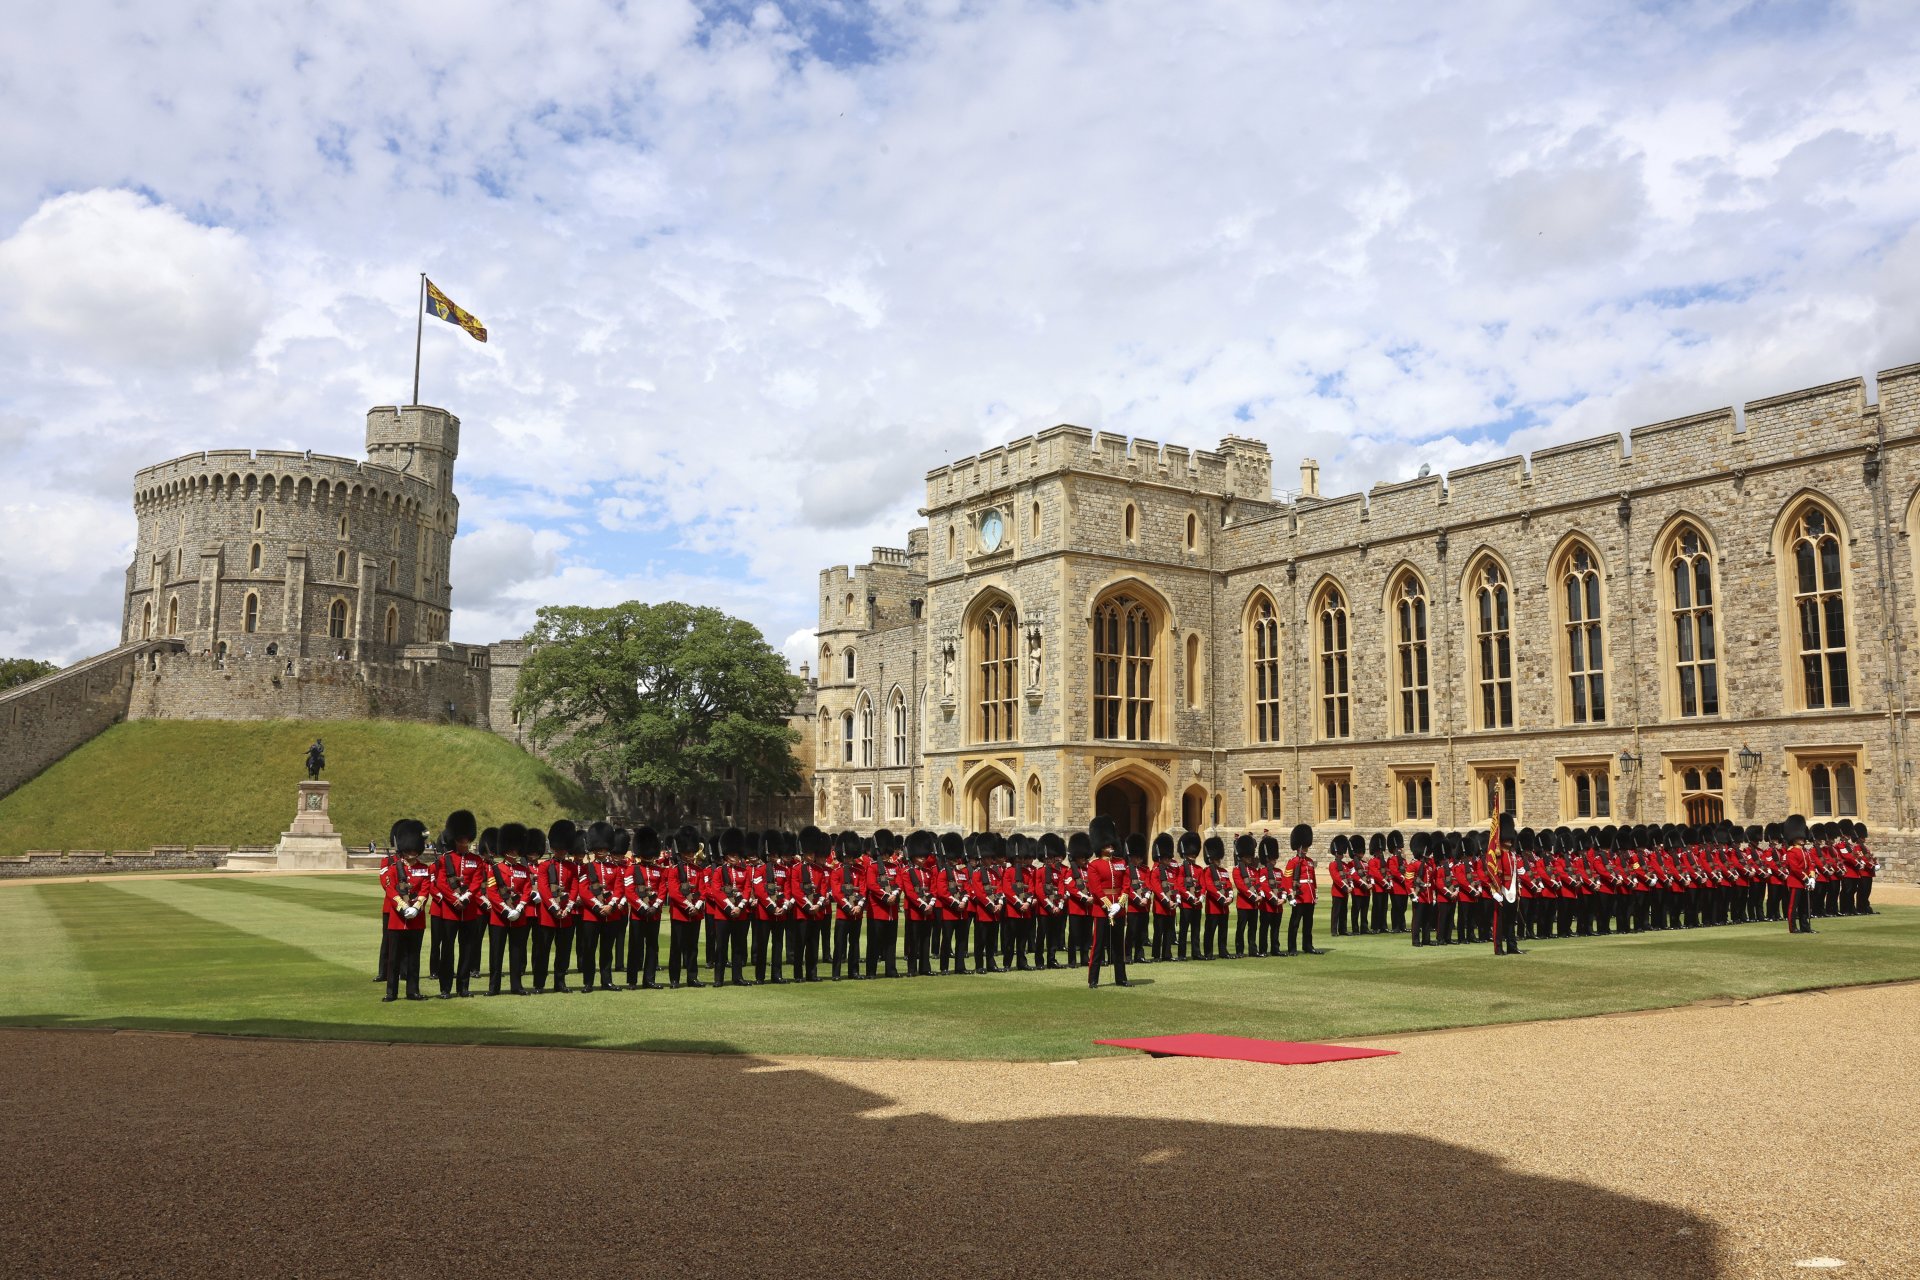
675,706
15,671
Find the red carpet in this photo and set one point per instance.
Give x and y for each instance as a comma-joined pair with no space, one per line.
1241,1049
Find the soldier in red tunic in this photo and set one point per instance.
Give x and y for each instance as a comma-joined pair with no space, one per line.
1108,882
407,884
510,910
646,898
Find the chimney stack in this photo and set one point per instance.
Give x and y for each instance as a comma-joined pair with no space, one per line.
1309,478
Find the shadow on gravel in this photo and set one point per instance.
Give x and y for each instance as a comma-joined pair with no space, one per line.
238,1157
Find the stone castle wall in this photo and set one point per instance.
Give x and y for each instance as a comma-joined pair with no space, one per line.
1090,517
444,683
42,720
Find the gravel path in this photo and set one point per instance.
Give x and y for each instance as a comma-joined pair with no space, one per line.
1727,1141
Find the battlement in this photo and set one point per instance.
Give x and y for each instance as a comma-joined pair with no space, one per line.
276,473
1777,430
1240,467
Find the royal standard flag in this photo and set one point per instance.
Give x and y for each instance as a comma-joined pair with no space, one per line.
441,305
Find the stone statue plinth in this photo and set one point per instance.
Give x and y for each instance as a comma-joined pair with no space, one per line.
311,843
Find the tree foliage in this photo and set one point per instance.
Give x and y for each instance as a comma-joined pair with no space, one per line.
15,671
661,699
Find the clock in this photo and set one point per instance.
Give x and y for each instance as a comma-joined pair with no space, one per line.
993,527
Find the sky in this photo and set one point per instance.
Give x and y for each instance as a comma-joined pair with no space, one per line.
750,270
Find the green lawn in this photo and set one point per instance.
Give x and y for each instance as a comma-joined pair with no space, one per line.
157,782
294,956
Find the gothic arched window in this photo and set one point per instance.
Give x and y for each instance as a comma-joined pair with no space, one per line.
1490,607
1816,564
1330,643
1410,654
1124,630
1263,656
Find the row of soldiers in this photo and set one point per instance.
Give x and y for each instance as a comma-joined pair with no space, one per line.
588,900
1591,882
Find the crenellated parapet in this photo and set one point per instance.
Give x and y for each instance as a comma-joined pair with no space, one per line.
1239,468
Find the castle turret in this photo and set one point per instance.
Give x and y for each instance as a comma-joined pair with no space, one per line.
416,439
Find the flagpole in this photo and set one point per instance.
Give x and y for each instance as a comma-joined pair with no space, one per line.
419,322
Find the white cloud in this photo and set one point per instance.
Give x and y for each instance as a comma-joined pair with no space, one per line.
117,281
743,294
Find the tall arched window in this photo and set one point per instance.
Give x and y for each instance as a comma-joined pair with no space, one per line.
253,556
251,619
1583,644
1193,669
1330,639
826,741
995,639
897,712
1410,654
846,737
1124,627
1491,606
340,566
826,662
173,616
1817,564
337,620
1131,522
1193,531
1696,654
1263,653
393,573
866,732
146,620
847,659
259,517
393,625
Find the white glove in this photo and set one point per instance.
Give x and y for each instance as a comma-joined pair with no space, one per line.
1113,910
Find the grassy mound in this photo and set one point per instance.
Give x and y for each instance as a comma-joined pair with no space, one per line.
155,782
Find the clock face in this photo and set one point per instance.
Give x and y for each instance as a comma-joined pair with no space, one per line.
992,529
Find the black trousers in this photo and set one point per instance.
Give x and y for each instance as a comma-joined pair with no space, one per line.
880,946
1273,930
1799,913
809,935
1109,947
473,934
1246,931
1301,921
1164,923
1056,927
1187,941
1016,941
1339,916
443,942
953,945
1506,933
1359,910
1213,935
846,946
557,941
986,946
1399,913
643,950
732,952
1422,929
1379,922
1079,938
506,942
683,951
1443,921
586,950
403,961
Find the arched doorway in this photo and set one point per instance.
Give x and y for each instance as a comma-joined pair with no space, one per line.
1133,797
1193,808
990,799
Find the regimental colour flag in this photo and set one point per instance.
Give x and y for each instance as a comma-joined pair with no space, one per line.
439,304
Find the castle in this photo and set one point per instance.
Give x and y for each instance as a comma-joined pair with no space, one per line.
271,584
1707,619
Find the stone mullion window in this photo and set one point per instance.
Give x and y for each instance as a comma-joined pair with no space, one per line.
1123,690
866,732
1695,643
1264,653
996,666
1820,606
1584,640
1411,667
1493,646
899,713
1335,704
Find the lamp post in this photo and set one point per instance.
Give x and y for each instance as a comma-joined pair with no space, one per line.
1629,764
1749,767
